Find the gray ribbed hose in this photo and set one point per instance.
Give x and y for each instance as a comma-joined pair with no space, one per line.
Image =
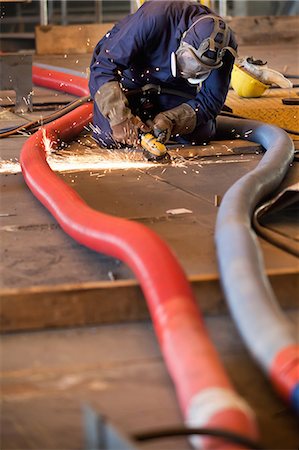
270,337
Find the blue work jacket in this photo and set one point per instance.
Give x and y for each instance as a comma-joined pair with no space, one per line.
137,51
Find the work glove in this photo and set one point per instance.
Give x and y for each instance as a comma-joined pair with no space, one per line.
128,131
180,120
114,105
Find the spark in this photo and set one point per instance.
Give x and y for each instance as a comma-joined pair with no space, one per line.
48,144
26,100
246,134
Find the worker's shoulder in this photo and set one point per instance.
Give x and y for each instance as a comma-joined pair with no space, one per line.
163,10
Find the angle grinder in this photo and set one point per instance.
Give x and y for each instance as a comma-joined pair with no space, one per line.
153,149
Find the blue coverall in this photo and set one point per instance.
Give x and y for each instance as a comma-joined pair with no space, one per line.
137,52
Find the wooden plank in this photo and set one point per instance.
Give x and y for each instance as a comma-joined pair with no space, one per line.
94,303
57,39
60,39
265,29
118,370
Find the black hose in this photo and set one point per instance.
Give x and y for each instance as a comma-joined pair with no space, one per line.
212,432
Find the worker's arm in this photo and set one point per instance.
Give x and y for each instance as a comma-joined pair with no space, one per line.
126,43
210,99
114,105
205,106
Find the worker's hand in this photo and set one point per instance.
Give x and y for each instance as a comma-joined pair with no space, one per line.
180,120
162,127
128,132
113,104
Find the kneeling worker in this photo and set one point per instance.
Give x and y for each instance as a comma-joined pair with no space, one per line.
165,69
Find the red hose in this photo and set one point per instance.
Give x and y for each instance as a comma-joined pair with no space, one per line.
52,78
189,355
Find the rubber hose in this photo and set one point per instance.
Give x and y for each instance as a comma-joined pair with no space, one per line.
270,337
56,78
205,394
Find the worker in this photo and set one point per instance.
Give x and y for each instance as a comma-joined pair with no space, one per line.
183,52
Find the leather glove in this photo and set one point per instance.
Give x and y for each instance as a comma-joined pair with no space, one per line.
114,105
128,131
179,120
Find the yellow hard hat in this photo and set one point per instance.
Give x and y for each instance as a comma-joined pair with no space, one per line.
245,84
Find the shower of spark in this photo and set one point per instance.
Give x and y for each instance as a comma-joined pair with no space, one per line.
98,159
86,155
48,144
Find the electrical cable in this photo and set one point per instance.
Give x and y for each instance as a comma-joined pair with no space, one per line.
290,76
183,431
34,125
278,87
275,205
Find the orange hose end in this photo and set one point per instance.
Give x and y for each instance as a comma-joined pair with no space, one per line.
285,371
235,421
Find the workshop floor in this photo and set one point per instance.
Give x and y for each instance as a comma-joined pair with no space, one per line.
47,281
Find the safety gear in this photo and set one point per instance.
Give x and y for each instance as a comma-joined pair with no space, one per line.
188,66
245,84
263,73
162,127
196,62
113,103
128,132
180,120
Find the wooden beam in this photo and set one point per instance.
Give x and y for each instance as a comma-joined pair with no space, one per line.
265,29
70,39
105,302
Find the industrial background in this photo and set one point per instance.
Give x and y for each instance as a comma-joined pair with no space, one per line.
101,334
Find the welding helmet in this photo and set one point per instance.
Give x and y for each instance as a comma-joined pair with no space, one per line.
201,49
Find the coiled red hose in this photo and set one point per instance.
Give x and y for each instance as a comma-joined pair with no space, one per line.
205,394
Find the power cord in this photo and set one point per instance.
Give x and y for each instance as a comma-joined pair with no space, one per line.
33,126
211,432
